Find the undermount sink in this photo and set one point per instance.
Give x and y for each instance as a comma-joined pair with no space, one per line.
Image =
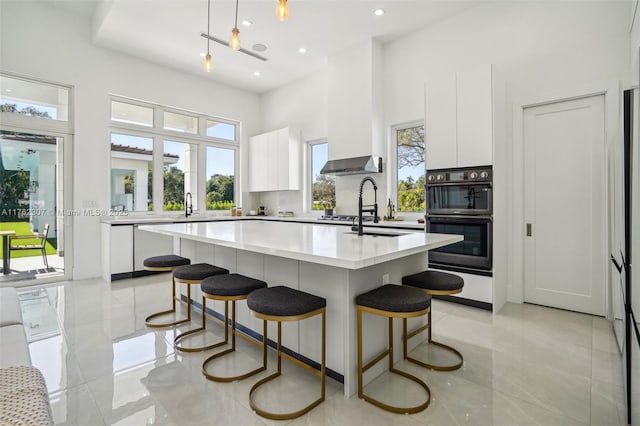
377,234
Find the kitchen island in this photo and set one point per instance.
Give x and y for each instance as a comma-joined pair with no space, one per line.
326,260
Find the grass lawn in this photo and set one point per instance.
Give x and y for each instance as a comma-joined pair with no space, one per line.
22,228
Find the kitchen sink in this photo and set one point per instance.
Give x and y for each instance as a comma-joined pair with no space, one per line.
378,234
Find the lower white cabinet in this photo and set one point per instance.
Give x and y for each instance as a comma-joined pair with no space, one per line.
274,161
124,248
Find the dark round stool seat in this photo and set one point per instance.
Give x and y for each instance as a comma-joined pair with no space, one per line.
395,298
435,281
197,271
230,285
284,301
165,261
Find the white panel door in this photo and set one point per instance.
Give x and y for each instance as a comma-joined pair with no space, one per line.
564,191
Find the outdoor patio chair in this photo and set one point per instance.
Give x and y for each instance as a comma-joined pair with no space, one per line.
42,236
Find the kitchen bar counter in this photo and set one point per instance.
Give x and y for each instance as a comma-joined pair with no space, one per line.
318,243
321,259
140,220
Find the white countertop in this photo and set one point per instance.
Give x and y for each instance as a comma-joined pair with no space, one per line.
328,244
133,220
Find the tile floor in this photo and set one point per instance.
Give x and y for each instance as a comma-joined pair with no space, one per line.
528,365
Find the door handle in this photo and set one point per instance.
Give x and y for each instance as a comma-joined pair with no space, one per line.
528,229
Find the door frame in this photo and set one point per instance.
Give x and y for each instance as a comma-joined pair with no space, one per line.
67,201
612,92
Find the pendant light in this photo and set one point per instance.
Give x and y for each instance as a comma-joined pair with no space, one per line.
207,59
234,43
282,10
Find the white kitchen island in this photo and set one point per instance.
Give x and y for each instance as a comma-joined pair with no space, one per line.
322,259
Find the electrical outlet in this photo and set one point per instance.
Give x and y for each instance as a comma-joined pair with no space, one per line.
89,204
385,279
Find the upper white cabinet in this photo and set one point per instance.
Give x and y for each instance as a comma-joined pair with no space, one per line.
459,119
274,161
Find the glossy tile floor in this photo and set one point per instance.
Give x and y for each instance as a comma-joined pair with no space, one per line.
528,365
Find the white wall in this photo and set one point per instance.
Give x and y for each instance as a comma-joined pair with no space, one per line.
45,42
536,48
303,105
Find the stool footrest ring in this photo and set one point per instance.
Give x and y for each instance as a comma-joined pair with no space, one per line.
401,410
279,416
164,324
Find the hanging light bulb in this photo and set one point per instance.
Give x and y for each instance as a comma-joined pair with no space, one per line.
207,59
234,43
282,10
207,62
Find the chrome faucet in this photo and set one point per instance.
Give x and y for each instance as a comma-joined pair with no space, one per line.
188,204
371,209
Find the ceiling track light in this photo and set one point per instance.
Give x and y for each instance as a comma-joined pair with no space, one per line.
224,43
234,43
282,10
207,59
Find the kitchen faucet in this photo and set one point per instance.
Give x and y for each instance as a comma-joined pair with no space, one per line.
188,204
361,208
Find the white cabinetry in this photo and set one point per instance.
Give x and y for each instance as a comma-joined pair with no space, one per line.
459,119
274,161
117,250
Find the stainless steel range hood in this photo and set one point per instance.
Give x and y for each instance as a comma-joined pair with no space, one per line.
353,166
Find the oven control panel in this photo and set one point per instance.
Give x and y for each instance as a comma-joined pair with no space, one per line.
459,175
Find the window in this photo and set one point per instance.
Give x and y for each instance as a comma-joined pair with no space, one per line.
131,172
33,99
131,114
147,138
221,130
180,123
179,174
323,187
220,187
410,155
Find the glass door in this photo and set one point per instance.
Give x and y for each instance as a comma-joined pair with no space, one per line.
32,208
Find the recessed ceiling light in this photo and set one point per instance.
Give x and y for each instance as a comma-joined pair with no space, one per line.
8,90
247,23
256,73
302,50
378,12
202,54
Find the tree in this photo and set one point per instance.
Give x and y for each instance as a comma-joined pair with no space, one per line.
29,110
411,147
220,188
324,191
173,185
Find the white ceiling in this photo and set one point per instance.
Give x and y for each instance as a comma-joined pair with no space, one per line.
168,32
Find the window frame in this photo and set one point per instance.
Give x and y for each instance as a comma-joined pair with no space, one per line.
159,135
392,166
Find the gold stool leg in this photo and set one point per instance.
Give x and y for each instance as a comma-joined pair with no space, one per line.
180,337
388,353
206,363
306,409
430,341
147,320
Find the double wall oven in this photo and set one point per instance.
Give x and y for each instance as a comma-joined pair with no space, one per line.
459,201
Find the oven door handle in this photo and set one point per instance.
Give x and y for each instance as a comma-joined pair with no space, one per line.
459,216
462,183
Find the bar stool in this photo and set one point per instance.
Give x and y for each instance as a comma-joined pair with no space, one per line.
190,275
229,288
282,304
433,283
391,301
165,263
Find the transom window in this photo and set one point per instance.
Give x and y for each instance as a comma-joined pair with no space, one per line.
155,158
33,99
410,167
